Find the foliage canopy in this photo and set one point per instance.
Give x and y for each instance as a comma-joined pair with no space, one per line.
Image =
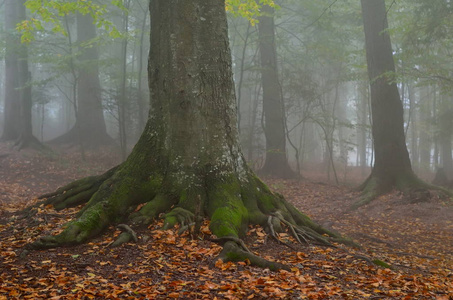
51,11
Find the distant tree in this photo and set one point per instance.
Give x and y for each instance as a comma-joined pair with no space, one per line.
187,163
89,129
446,134
18,96
11,124
276,162
392,168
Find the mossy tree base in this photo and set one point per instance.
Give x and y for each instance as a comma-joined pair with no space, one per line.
229,202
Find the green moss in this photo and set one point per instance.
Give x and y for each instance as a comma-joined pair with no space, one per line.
249,199
94,219
381,263
265,202
152,209
192,198
229,216
170,221
155,182
91,223
228,221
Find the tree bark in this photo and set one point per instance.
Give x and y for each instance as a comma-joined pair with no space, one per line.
426,118
445,135
18,97
11,125
392,167
362,116
187,163
276,162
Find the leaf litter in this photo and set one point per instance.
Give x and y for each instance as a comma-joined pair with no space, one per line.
414,239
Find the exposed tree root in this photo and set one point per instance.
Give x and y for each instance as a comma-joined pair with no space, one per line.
231,205
234,253
414,189
126,236
75,193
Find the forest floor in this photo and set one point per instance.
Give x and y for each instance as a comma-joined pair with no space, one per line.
414,238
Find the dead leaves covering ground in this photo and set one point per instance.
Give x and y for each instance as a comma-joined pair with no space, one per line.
164,265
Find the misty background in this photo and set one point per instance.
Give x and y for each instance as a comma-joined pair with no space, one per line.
89,89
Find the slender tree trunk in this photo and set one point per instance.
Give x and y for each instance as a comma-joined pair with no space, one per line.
253,116
413,126
446,129
436,120
425,129
276,162
363,124
18,102
11,125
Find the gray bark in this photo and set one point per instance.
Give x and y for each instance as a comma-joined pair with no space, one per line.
446,131
392,164
11,126
89,129
276,162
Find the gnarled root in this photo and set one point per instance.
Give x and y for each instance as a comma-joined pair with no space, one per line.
126,236
90,224
235,253
230,203
75,193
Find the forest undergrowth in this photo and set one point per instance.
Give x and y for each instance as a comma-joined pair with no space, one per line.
406,246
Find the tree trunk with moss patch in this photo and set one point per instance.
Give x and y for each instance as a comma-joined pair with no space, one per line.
188,159
392,168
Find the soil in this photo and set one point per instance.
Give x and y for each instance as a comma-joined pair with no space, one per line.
414,237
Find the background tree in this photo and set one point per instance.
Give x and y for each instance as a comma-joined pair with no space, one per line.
11,125
18,95
187,162
276,162
89,129
392,168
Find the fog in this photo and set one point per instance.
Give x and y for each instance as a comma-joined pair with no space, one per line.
97,83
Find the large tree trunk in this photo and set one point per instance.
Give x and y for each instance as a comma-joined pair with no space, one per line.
276,162
187,162
392,167
89,129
